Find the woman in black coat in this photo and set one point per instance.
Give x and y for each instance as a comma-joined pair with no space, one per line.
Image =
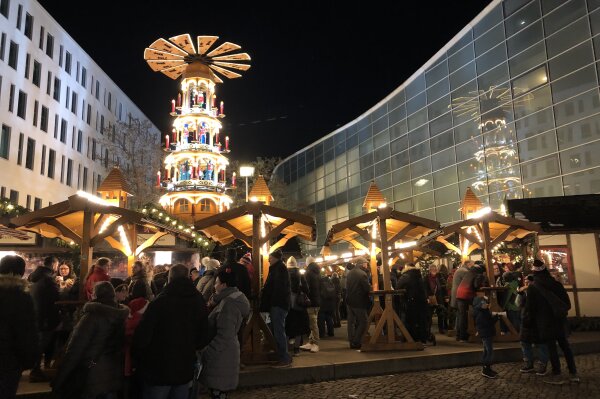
416,302
296,322
93,364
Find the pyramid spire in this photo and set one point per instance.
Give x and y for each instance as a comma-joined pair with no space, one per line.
374,198
260,191
470,203
114,188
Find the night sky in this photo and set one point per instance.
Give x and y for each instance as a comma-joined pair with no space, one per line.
316,65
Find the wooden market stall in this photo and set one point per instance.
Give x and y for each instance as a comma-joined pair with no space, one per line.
383,229
257,224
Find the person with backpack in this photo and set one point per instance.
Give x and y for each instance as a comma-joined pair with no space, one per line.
327,309
548,304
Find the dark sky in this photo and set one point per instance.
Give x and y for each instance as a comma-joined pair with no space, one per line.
316,65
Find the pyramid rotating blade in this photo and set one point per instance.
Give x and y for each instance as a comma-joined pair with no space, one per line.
233,57
241,67
159,65
163,45
205,42
184,42
224,48
227,73
174,72
151,54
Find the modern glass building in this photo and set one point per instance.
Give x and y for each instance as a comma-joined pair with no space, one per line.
510,107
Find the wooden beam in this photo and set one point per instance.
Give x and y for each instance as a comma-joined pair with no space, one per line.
449,245
358,245
236,233
86,250
65,231
274,233
503,236
150,241
282,242
99,222
401,233
469,237
109,231
362,232
487,248
116,244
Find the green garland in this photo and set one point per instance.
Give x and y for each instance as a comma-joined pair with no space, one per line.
9,209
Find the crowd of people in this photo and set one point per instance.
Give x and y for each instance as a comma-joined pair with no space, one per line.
165,330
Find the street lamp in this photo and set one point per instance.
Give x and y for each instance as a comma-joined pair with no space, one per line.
246,171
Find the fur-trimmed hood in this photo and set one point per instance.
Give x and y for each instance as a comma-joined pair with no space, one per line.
8,281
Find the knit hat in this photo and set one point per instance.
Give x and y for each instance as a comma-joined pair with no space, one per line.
277,254
291,262
212,264
246,260
204,261
310,260
538,266
137,304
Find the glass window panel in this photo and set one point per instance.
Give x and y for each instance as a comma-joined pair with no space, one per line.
470,169
593,4
489,40
380,124
571,60
421,167
580,158
367,174
595,22
478,187
383,181
417,119
444,177
438,90
468,149
354,180
492,18
530,81
418,135
549,5
462,76
415,87
528,59
398,99
507,180
568,13
382,167
381,139
538,146
439,107
510,6
580,132
341,185
398,130
440,124
448,213
568,37
540,169
465,92
340,162
353,167
446,195
422,184
397,115
419,151
524,39
402,191
442,141
466,131
443,159
329,179
461,58
399,160
546,188
401,175
378,113
416,103
494,77
490,59
535,123
523,18
463,41
382,153
574,83
366,160
366,147
530,103
436,73
586,182
423,201
398,145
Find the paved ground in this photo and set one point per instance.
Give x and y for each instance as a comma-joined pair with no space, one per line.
441,384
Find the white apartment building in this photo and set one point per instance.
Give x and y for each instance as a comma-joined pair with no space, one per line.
55,102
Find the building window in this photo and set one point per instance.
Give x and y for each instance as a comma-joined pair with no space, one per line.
51,163
79,177
43,160
68,62
74,103
28,202
182,205
27,64
73,137
63,131
49,45
4,7
93,149
2,192
89,114
205,205
13,55
36,106
106,157
67,97
55,126
14,197
20,150
102,124
19,16
98,181
41,44
2,46
11,99
62,169
37,73
30,156
79,140
56,94
85,178
5,142
69,172
109,101
22,105
83,77
44,119
28,25
49,83
60,55
37,203
97,90
558,262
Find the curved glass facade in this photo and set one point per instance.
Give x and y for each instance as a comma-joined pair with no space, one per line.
510,107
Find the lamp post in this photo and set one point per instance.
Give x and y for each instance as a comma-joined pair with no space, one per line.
246,171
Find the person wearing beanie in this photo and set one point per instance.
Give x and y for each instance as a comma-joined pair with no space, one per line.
276,299
547,306
313,281
239,271
296,322
203,265
104,320
19,347
206,285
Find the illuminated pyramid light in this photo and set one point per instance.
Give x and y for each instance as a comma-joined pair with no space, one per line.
195,167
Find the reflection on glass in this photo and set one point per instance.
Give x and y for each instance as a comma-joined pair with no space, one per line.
557,262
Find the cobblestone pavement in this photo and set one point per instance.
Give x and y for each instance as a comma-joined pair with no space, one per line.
445,384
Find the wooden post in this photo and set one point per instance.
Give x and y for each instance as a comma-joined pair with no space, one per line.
258,272
487,251
86,251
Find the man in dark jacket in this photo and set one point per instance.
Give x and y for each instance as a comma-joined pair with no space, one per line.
357,302
165,342
416,302
276,300
45,293
138,284
93,365
462,307
18,335
242,277
313,279
548,304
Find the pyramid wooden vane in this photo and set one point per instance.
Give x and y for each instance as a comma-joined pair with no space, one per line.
470,204
374,198
114,188
260,191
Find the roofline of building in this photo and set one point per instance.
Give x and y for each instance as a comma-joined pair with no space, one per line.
417,73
